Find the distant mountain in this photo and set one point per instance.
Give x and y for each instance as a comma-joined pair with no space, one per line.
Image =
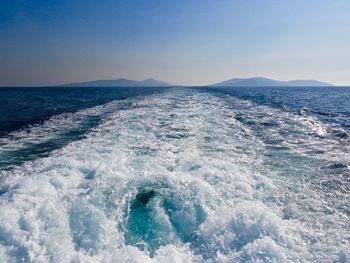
155,83
264,82
307,83
236,82
119,83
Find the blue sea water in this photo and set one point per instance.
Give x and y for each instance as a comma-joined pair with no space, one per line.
175,174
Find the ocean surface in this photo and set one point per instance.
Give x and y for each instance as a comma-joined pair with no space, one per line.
175,174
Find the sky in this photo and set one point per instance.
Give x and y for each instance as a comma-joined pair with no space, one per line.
187,42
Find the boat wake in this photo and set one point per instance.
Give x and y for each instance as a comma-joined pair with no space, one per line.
180,176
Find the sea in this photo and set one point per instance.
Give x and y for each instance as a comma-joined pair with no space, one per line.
181,174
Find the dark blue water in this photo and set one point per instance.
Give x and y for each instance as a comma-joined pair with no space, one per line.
329,104
20,107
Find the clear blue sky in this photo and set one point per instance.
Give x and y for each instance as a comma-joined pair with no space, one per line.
182,42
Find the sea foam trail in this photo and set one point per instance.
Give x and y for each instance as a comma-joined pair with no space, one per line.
176,177
38,140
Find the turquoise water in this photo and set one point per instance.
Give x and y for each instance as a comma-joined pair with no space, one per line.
176,175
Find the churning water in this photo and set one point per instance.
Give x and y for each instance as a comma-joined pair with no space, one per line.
176,175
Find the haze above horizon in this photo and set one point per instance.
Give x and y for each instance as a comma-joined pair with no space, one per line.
182,42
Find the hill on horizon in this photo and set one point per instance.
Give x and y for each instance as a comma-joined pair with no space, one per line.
265,82
150,82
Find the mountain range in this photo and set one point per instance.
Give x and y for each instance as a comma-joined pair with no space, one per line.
119,83
235,82
264,82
